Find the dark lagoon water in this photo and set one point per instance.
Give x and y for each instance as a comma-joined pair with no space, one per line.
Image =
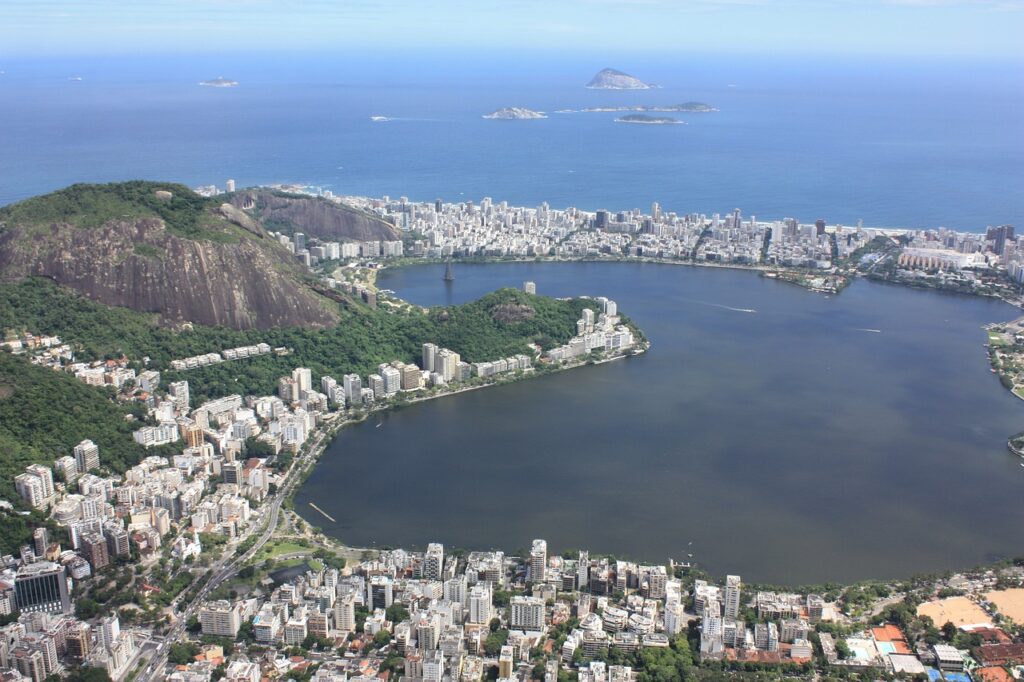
788,445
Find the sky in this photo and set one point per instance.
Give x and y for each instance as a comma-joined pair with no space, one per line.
928,28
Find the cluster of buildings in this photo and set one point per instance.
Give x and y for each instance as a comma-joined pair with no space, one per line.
478,614
162,505
312,251
439,367
441,613
46,639
44,350
993,262
206,359
780,633
490,229
497,230
603,332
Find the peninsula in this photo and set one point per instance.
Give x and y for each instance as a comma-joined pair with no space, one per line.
515,114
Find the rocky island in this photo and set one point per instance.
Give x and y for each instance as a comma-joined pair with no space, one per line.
686,107
219,82
515,114
648,120
613,79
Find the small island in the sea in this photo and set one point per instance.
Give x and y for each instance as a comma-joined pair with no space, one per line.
515,114
219,82
649,120
613,79
685,107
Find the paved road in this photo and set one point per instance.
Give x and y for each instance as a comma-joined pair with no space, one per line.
228,565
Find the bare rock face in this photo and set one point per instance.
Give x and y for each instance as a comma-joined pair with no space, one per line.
313,216
232,275
613,79
511,313
242,219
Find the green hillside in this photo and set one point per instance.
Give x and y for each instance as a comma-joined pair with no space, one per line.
363,339
185,213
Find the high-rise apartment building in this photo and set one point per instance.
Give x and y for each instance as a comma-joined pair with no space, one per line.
538,561
433,562
527,613
87,456
429,353
42,587
732,596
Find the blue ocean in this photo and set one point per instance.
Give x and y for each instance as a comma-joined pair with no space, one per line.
902,143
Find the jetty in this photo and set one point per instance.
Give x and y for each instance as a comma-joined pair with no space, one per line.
326,515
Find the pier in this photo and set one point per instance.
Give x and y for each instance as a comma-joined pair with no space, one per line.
326,515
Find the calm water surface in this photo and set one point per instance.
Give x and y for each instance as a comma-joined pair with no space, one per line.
789,445
894,142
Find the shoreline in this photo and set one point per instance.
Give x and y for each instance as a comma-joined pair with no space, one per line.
780,274
335,426
765,271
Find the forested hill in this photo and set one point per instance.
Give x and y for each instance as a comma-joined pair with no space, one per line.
498,325
159,247
43,415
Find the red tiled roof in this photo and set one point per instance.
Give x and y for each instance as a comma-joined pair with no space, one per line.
992,635
1000,654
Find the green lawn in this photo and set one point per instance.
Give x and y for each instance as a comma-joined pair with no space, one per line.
279,548
996,339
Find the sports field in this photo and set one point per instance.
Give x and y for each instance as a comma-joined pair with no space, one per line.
960,611
1009,602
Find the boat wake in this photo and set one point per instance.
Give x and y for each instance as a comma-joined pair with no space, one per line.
726,307
872,331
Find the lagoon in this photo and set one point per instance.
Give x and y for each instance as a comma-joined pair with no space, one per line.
790,445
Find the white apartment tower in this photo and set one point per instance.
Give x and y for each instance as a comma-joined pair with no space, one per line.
538,561
353,388
87,456
732,596
675,618
455,590
178,390
433,562
345,613
527,613
480,610
304,378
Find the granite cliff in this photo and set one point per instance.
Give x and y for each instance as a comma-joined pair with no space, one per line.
313,216
160,248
